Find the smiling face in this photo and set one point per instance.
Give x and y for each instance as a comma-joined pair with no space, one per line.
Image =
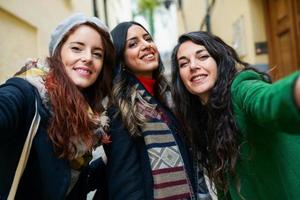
141,55
197,69
82,55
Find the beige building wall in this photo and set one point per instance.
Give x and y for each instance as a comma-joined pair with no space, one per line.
190,16
43,15
11,55
240,23
258,27
26,26
231,20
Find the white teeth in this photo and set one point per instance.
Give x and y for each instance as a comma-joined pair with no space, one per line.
199,78
83,71
148,56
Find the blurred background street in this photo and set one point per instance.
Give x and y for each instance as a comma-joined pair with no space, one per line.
265,33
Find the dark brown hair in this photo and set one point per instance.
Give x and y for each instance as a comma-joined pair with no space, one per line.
212,126
123,91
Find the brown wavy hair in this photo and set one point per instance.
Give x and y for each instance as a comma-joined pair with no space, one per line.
70,123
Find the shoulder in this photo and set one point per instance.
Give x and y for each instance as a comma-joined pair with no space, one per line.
249,79
116,123
17,99
18,83
114,115
17,89
249,75
112,110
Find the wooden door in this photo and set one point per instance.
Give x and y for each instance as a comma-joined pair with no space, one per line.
283,24
296,5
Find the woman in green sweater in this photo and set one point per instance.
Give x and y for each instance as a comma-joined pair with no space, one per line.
246,128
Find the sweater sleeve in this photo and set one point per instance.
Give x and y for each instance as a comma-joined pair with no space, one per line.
124,173
16,97
267,104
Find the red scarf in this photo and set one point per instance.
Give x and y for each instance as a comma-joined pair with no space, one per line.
148,84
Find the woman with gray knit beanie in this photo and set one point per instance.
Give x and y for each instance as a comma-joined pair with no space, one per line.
69,90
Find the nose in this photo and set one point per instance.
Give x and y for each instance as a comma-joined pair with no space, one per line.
86,56
146,44
194,64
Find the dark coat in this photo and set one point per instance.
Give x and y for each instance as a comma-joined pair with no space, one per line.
128,168
45,176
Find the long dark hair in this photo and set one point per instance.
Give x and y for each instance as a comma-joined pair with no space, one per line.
211,126
122,90
70,121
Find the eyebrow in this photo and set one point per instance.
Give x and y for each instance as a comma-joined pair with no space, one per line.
135,37
200,51
82,44
197,52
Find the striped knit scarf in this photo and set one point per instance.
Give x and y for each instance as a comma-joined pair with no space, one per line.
169,175
34,72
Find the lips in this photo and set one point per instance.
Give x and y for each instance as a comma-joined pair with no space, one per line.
85,71
150,55
198,78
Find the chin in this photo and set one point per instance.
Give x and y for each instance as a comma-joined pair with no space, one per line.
154,66
81,85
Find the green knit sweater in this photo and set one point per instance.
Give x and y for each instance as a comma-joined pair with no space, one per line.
269,121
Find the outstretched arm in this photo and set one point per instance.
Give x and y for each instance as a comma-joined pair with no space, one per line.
273,105
297,92
16,98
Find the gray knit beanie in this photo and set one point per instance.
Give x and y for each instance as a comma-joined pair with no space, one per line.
76,19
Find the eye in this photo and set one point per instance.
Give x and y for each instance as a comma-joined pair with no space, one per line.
132,44
148,38
202,57
75,48
98,55
183,64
